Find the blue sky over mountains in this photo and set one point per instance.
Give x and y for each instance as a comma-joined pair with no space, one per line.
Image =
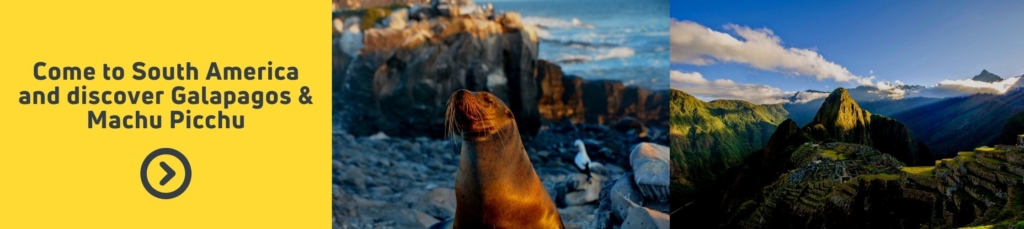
765,51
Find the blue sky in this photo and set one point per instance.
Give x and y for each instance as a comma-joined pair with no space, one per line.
915,42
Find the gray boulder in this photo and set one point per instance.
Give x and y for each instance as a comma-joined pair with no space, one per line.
624,197
640,217
651,170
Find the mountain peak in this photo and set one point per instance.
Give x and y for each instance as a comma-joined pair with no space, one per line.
986,76
840,115
839,97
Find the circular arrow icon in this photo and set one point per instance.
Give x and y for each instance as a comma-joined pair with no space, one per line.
170,173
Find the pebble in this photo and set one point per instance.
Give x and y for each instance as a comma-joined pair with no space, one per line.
435,164
439,202
354,176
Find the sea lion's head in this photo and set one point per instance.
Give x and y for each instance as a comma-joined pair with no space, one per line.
477,114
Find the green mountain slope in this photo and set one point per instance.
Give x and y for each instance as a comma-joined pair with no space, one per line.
709,137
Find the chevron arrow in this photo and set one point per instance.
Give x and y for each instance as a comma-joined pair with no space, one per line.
170,173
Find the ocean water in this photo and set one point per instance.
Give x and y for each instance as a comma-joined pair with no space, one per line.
601,39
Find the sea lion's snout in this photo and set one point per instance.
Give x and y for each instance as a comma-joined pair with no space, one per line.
469,105
476,112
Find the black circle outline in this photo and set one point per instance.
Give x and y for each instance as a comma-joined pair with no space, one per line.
145,178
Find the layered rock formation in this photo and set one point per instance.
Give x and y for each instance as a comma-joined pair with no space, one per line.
399,80
596,101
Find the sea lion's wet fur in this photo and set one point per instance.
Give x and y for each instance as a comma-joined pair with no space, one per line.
496,186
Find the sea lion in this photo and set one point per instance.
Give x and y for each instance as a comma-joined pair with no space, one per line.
495,186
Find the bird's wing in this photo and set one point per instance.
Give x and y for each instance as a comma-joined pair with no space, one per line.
582,159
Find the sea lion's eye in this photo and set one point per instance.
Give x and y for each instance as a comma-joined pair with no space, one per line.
490,100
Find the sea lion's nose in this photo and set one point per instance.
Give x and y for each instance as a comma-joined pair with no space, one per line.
463,93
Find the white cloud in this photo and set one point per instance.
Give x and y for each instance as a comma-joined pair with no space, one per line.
688,78
695,84
695,44
807,96
962,87
891,90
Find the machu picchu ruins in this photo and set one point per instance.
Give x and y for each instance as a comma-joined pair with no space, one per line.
851,185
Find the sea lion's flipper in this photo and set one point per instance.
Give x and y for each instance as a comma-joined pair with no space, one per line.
447,224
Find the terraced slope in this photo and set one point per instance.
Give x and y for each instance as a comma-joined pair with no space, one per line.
843,185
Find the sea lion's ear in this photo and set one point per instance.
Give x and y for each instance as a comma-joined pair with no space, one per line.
508,113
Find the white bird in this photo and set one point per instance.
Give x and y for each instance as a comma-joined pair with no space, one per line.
582,159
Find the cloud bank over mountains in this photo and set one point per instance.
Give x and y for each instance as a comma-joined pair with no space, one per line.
963,87
698,45
695,84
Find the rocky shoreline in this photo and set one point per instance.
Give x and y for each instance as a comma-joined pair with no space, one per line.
394,166
384,182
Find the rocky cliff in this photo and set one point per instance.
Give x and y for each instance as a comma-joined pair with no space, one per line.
596,101
396,77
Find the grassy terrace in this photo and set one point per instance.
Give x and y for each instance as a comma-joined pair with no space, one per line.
880,176
833,155
1019,224
985,149
928,171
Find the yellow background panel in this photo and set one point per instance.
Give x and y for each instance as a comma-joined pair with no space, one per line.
57,173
